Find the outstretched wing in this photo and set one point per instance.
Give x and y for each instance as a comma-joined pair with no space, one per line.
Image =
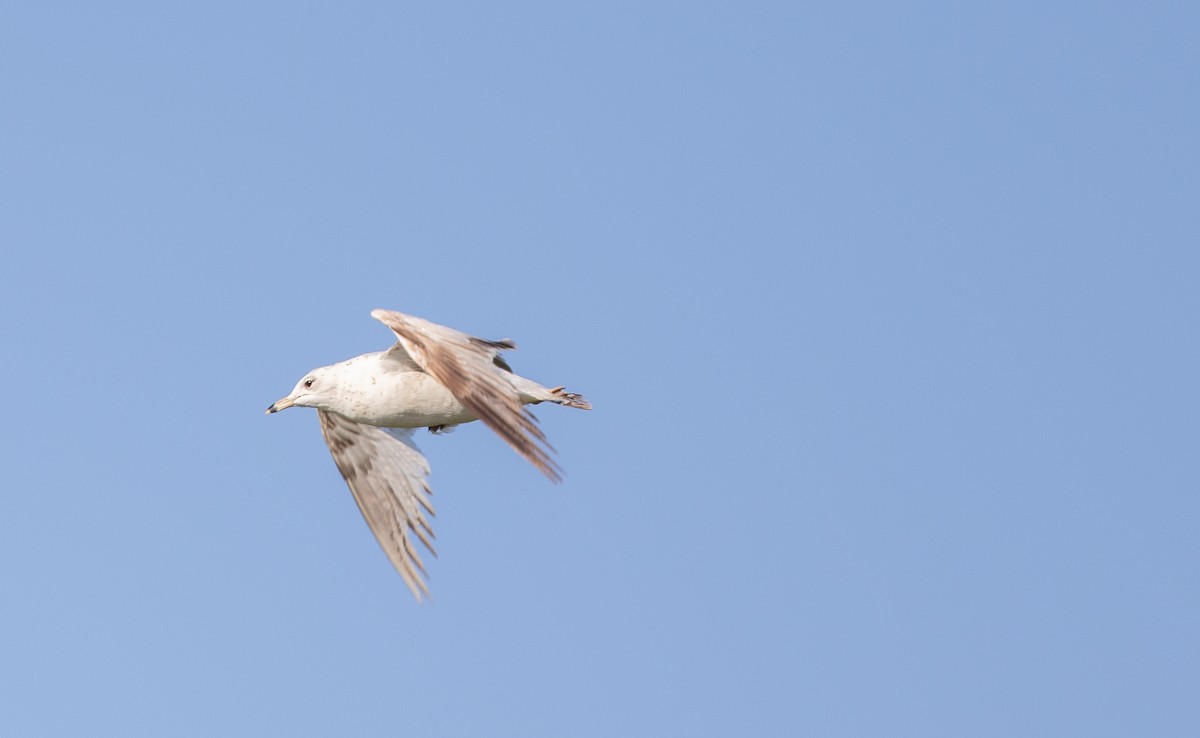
468,367
387,473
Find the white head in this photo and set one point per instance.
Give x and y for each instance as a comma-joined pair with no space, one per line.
317,389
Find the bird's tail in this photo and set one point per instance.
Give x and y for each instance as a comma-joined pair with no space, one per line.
569,399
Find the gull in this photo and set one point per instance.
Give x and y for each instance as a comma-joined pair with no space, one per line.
434,377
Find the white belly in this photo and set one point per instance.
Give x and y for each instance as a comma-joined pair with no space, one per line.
404,400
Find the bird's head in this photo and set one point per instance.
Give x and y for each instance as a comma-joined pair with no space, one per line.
316,389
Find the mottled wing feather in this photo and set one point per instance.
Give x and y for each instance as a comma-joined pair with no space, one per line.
387,475
468,367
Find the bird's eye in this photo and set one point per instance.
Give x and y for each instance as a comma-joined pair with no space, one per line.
309,382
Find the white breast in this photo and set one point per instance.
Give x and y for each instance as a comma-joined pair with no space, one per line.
380,393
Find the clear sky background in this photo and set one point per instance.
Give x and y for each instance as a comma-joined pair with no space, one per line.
888,312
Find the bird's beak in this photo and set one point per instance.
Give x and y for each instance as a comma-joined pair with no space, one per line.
283,404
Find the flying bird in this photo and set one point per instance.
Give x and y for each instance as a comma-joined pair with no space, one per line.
433,377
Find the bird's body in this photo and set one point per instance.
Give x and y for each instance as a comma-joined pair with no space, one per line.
433,377
378,390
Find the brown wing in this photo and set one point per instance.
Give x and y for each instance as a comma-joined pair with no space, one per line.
467,367
386,473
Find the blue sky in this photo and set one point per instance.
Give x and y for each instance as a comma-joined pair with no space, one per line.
888,313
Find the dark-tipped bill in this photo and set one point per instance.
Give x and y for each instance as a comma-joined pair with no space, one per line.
283,404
